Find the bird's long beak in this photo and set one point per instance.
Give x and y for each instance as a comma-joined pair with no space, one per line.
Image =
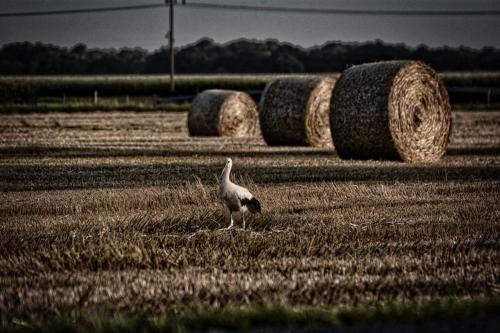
223,171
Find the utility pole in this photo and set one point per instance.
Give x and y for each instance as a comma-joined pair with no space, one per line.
171,45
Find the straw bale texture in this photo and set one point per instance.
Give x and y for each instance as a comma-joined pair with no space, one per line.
295,112
390,110
223,113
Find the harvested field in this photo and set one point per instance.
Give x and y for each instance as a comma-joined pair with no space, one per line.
117,212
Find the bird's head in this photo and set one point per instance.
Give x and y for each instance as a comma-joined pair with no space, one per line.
228,162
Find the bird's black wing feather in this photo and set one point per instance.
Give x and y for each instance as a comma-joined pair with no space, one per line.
253,205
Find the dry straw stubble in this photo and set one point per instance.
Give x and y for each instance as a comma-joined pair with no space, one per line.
223,113
83,231
391,110
295,112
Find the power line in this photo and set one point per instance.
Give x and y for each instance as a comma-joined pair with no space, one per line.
279,9
332,11
82,11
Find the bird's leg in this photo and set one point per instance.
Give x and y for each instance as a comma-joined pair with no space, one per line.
232,222
243,214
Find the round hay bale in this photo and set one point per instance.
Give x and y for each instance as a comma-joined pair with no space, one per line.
295,112
390,110
223,113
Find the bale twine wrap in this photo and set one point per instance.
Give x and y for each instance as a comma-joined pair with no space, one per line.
295,112
223,113
390,110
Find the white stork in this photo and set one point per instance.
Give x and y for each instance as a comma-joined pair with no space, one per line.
236,198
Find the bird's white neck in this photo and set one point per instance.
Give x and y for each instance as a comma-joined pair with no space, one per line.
225,175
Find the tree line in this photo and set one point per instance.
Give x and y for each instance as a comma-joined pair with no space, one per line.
238,56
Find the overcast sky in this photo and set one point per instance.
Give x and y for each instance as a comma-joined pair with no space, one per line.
147,28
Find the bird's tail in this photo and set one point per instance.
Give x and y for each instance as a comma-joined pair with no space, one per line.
253,205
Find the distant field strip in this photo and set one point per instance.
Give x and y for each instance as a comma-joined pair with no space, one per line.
14,88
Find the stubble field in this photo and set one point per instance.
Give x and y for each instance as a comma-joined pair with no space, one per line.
118,213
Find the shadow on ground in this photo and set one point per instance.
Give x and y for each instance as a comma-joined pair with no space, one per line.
45,177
